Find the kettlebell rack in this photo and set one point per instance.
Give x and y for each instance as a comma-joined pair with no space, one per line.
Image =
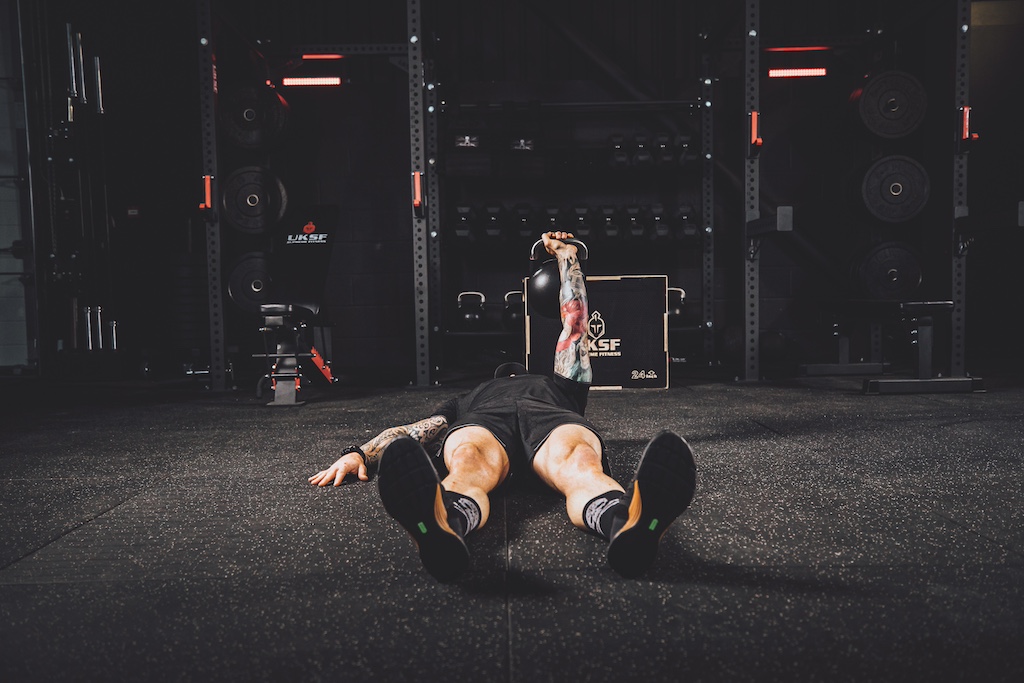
512,171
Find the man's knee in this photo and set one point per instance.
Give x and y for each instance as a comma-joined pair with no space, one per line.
571,449
475,456
580,456
467,456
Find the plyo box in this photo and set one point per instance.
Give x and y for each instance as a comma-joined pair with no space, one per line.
627,332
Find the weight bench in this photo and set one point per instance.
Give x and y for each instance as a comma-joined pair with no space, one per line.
284,329
920,316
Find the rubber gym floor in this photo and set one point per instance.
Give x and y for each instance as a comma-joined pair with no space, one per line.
157,532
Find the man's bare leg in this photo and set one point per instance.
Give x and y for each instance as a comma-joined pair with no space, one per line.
438,515
476,464
632,521
569,461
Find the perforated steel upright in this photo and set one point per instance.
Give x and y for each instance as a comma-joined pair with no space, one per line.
961,241
708,208
421,178
433,214
751,192
208,122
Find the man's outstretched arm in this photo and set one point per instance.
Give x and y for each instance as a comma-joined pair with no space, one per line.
572,355
426,431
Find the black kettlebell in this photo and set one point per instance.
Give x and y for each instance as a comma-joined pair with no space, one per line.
676,306
542,287
513,315
471,311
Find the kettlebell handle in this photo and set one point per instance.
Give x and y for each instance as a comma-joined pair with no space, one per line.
538,251
483,299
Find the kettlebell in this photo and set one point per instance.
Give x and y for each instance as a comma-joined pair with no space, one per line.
676,306
514,314
471,312
542,290
542,287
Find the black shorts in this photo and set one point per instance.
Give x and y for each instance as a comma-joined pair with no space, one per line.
522,427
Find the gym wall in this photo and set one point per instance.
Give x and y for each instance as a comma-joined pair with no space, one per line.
519,71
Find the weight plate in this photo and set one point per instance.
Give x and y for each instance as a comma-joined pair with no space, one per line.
892,104
895,189
253,117
254,200
249,281
889,271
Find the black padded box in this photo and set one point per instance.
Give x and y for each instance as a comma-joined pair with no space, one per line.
628,333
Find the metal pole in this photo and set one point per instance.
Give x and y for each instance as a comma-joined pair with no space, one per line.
32,291
433,198
420,229
708,209
751,178
99,328
72,63
88,328
208,119
960,240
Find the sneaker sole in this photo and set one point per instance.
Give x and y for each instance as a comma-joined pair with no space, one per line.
662,489
411,493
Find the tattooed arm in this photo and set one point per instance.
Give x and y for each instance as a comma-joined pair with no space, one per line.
572,355
426,431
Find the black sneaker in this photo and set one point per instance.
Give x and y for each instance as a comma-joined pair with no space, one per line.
411,493
661,490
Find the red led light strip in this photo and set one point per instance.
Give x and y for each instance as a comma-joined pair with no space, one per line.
809,72
311,80
314,56
802,48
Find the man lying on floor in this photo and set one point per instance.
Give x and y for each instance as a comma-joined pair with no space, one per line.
518,423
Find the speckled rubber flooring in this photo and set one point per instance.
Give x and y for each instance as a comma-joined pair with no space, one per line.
149,534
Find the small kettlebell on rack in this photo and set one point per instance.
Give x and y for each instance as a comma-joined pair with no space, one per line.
676,306
471,311
514,314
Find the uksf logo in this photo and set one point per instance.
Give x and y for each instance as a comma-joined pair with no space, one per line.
309,235
315,238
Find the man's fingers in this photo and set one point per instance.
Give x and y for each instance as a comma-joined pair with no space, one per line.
554,241
336,473
322,478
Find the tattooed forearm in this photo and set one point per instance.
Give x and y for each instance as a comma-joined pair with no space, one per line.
429,430
572,355
425,431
